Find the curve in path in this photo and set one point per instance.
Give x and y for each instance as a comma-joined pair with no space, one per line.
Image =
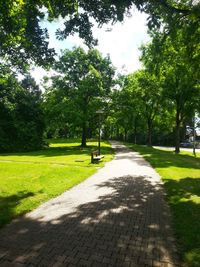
117,217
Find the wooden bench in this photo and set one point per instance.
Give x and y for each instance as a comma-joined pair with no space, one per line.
95,157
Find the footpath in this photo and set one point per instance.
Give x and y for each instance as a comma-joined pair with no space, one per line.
117,217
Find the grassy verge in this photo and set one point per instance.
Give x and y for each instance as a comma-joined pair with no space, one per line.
181,176
29,179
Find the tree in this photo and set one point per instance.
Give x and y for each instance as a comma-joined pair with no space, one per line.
120,113
178,72
147,93
21,118
82,83
23,38
136,107
124,111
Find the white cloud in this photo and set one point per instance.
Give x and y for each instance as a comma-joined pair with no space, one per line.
121,43
38,73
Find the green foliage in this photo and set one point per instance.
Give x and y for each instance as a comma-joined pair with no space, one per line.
21,117
23,39
137,105
177,69
31,178
123,111
181,176
148,92
80,87
161,99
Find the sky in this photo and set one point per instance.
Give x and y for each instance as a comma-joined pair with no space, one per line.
121,43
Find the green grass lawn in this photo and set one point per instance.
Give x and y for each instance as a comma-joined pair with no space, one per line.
181,176
29,179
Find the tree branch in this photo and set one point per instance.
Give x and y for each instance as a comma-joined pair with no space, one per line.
175,9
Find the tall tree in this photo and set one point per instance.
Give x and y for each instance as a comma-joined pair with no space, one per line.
148,95
83,82
179,74
125,110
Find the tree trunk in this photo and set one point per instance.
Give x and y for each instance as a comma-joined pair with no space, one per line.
177,133
149,135
125,134
84,131
89,133
117,133
183,135
135,131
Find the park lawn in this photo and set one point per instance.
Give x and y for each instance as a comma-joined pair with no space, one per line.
31,178
181,177
59,152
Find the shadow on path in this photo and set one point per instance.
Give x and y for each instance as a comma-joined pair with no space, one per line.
129,227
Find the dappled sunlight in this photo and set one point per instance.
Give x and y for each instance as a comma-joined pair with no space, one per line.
154,226
168,159
187,188
107,227
181,177
184,198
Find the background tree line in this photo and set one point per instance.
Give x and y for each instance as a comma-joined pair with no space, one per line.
21,113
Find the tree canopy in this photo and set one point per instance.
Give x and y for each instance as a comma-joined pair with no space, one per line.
79,88
22,37
175,62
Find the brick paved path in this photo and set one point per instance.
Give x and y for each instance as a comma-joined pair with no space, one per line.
117,217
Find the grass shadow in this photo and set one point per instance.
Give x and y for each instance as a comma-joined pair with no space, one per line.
164,159
8,205
184,199
181,177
